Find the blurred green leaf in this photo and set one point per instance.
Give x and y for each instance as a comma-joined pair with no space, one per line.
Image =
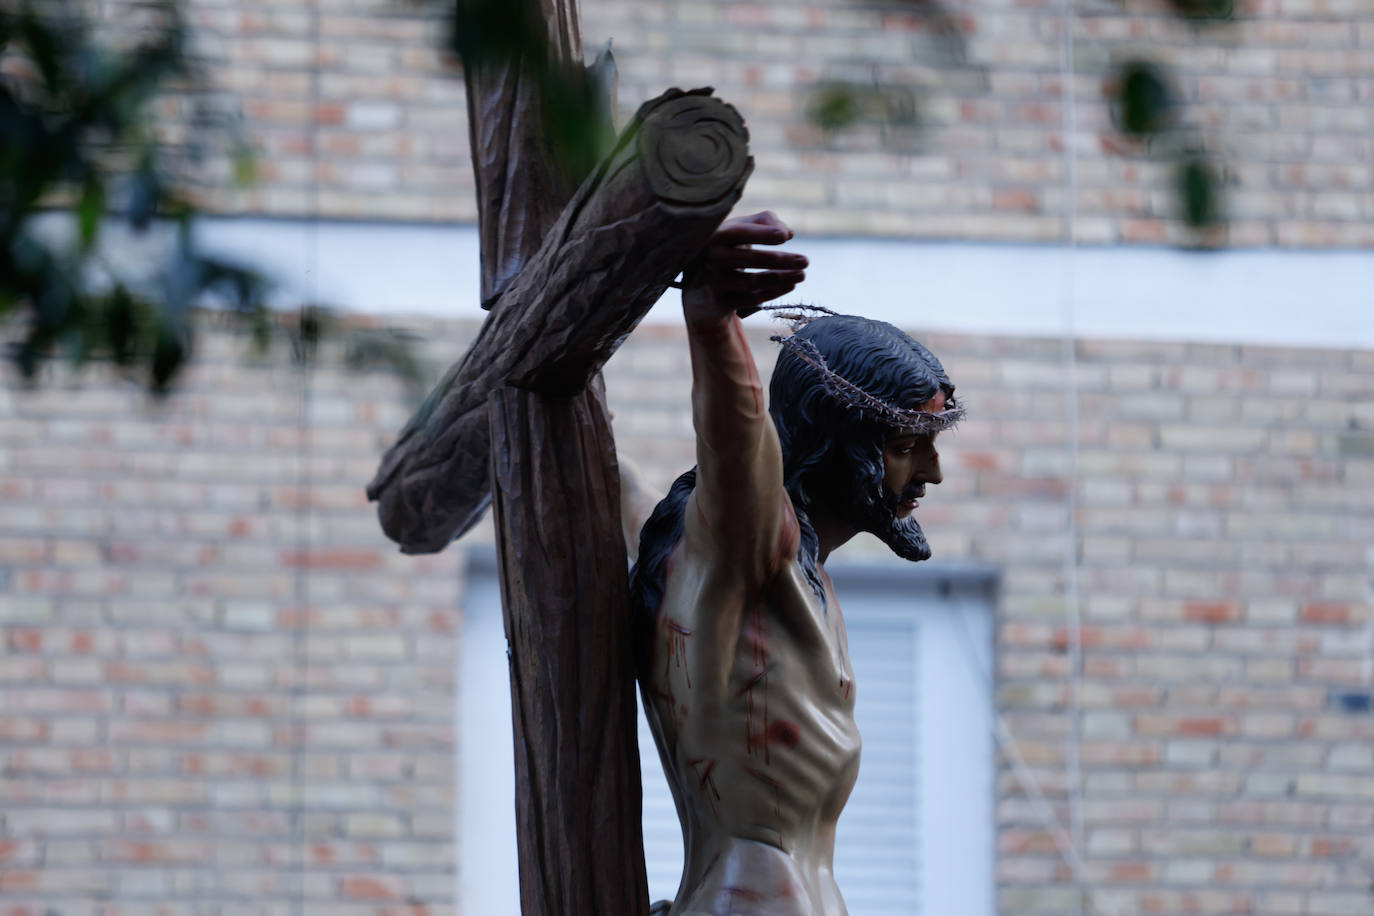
144,191
1199,191
44,47
1143,102
1204,9
169,354
121,326
91,209
486,31
835,107
307,329
260,328
245,165
576,109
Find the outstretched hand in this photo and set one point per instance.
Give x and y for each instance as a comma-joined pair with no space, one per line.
731,276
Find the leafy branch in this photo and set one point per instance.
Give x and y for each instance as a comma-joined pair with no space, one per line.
79,133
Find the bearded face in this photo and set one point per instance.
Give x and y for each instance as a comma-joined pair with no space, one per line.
910,462
890,517
879,491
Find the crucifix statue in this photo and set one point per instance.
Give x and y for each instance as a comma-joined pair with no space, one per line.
570,264
729,616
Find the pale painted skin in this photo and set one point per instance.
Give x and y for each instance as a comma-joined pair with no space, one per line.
751,693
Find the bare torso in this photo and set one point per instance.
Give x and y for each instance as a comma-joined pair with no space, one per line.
757,735
749,690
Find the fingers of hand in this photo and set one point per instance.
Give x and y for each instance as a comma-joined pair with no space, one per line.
742,282
748,303
752,258
759,229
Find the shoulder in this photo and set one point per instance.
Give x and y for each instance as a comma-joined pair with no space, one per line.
717,547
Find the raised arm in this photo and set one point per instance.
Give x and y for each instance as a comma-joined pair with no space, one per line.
637,501
737,514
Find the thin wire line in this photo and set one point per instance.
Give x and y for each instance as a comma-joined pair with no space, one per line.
1068,97
301,593
1026,779
1368,665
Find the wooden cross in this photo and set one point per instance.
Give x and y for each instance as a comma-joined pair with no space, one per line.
570,264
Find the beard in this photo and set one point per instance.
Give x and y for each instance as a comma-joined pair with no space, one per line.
903,536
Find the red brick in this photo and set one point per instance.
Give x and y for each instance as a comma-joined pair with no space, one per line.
1133,872
332,559
1212,611
370,888
1332,847
1015,199
330,113
1203,726
1325,612
26,640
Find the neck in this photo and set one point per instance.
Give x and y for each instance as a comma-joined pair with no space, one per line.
831,533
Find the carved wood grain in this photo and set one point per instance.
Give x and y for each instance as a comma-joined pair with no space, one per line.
674,175
562,562
521,188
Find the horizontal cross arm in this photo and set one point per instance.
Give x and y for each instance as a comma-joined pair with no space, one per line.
643,213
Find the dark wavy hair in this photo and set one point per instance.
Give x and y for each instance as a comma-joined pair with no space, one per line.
832,453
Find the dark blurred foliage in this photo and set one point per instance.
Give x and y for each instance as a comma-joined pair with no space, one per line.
79,137
76,118
1143,101
1199,190
1145,105
1147,109
836,106
577,116
1204,9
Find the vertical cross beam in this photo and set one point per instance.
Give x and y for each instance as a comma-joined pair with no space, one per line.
562,562
570,263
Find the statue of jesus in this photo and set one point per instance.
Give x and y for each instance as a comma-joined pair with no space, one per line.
744,662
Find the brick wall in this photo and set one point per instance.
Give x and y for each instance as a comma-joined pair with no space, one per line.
161,745
356,116
223,690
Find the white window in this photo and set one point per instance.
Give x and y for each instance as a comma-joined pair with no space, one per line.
917,835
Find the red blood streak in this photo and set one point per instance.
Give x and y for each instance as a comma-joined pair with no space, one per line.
677,649
744,893
771,782
756,635
784,732
704,780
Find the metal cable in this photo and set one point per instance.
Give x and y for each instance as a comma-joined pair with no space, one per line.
1068,97
304,483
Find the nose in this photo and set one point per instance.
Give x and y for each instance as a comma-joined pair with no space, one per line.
930,473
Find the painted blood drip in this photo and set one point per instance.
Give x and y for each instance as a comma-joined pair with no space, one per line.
677,650
784,732
756,739
743,893
771,783
704,780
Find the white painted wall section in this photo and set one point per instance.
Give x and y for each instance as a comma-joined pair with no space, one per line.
1270,296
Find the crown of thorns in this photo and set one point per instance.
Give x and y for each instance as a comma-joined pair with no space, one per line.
846,392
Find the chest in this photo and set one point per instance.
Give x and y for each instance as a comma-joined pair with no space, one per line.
796,636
